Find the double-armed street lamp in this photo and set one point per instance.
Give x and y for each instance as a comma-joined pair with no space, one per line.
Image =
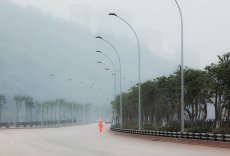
139,69
99,37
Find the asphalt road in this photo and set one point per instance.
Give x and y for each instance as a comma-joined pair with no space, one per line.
87,141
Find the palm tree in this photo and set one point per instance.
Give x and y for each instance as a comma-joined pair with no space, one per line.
17,99
2,102
29,105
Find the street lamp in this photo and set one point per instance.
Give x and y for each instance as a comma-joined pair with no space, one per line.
58,103
99,62
99,37
41,114
83,101
139,69
114,74
85,86
182,67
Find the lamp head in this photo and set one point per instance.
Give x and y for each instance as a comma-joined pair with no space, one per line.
98,51
99,37
112,14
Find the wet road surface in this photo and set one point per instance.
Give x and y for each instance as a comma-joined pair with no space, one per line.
85,140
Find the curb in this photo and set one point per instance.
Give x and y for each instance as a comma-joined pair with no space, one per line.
208,143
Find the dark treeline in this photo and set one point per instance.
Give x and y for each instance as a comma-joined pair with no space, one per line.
161,98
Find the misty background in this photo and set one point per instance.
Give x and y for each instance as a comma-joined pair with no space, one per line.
49,54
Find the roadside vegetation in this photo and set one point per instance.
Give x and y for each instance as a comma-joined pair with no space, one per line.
161,100
31,112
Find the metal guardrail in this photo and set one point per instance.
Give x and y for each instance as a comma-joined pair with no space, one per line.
188,135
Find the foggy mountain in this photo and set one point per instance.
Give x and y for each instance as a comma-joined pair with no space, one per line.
39,54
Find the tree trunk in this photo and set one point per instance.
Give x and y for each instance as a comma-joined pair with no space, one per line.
51,113
0,114
154,120
30,114
27,114
196,111
228,117
193,114
216,111
219,112
205,112
17,110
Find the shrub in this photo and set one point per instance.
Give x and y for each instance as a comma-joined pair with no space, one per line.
148,127
221,131
199,130
131,127
169,129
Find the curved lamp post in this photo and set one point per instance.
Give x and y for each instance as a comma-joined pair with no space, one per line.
139,69
113,68
58,103
99,37
114,74
182,67
85,86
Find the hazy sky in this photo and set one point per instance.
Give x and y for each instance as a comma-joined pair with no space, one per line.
207,24
57,36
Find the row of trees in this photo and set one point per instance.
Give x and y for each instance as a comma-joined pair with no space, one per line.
161,97
28,110
27,101
2,103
